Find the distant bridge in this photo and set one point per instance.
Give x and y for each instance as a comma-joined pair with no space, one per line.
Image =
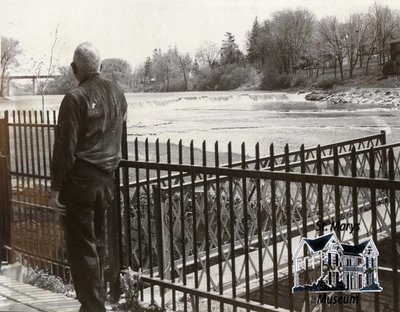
32,77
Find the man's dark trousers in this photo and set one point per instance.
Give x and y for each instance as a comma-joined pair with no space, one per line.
87,193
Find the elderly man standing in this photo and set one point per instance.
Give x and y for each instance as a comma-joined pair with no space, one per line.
86,153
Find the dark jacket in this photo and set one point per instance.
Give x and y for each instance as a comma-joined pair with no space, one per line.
89,128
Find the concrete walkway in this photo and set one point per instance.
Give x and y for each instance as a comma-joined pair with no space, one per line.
16,296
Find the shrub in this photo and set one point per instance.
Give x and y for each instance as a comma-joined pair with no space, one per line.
176,86
389,68
328,83
44,280
228,77
299,81
233,77
207,79
131,286
275,81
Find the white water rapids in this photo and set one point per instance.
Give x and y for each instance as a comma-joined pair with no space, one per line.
241,116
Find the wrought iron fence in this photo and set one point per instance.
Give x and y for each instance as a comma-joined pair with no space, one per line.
221,232
326,165
35,234
311,154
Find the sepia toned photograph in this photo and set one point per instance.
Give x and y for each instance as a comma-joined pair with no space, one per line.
199,155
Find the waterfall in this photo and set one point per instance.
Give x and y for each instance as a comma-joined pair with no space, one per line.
206,99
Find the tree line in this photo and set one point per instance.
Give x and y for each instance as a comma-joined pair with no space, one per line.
214,67
280,52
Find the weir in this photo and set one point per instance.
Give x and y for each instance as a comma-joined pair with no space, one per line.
241,99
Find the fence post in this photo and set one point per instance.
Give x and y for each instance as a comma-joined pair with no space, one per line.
4,136
274,227
4,207
320,196
383,137
4,187
393,233
384,156
162,255
114,242
124,142
114,226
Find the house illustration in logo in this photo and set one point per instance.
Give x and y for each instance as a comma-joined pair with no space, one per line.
335,266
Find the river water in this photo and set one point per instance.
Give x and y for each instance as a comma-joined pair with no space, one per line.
241,116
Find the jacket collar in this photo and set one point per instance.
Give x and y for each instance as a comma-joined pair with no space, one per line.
90,76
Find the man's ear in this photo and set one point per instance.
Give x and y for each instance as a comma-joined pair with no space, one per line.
74,68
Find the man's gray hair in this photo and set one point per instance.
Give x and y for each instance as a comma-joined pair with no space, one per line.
87,58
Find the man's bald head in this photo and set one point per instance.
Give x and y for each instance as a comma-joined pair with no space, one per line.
87,60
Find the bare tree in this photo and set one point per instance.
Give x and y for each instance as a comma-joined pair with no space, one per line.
333,37
208,53
47,69
386,23
185,64
371,39
9,51
355,29
292,33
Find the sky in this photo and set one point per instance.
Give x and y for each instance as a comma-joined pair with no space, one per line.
131,29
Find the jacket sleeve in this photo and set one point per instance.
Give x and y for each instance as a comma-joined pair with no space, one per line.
66,138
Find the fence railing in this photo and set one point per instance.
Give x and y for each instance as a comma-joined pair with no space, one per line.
219,233
310,153
335,164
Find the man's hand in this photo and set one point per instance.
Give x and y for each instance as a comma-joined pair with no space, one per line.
55,201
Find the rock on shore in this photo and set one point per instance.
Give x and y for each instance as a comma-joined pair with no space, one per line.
317,96
366,96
